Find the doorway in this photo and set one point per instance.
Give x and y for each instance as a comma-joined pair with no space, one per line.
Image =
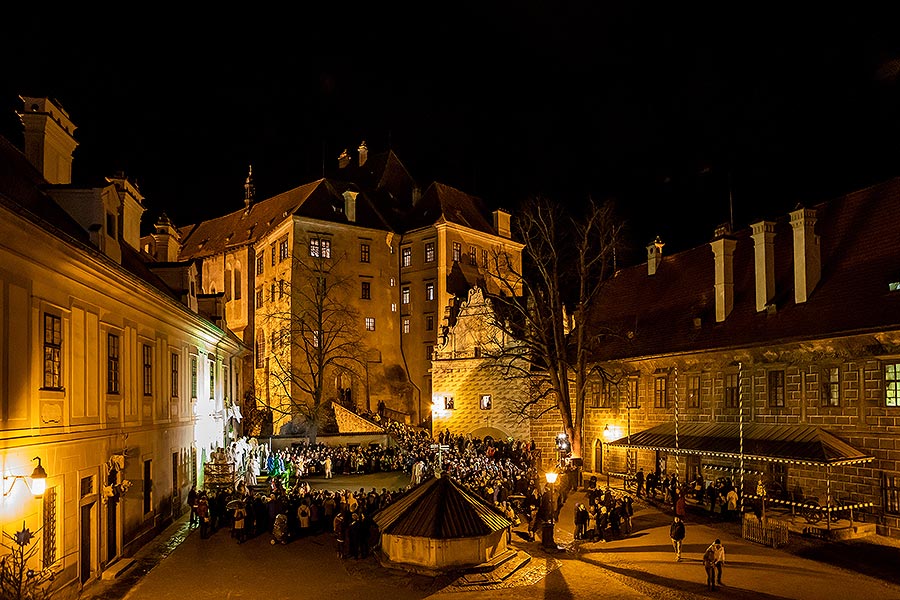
85,541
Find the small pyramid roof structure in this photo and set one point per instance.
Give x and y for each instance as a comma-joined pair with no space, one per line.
440,508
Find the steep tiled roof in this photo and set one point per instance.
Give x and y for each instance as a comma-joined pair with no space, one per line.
320,199
646,315
440,509
442,203
788,443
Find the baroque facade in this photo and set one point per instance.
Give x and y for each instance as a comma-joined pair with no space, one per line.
345,281
109,374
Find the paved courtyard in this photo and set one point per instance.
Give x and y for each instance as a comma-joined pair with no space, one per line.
183,566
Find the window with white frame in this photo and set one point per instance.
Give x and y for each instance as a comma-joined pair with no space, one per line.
194,375
52,352
693,391
429,291
405,324
457,251
406,257
112,363
370,323
364,253
260,262
404,295
320,247
831,386
284,250
892,384
429,252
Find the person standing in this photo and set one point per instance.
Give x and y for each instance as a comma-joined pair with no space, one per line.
731,501
680,506
718,558
192,498
709,565
203,515
640,482
240,514
676,533
328,474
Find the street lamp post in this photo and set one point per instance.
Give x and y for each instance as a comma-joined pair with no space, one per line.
547,540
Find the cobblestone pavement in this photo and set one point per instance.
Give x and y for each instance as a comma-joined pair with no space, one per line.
639,566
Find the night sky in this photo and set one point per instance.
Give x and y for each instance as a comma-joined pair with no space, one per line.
667,110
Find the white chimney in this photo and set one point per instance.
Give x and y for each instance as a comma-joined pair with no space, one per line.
807,259
363,153
350,205
654,255
723,249
49,138
764,252
501,222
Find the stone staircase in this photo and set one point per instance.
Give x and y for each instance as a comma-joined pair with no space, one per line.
495,571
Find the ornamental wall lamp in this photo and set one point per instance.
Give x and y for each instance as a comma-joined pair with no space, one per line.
38,480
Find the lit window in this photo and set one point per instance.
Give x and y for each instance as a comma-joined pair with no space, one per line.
392,282
406,257
366,291
457,251
892,384
370,323
260,352
448,402
52,352
831,386
112,364
212,380
693,391
404,295
776,389
429,291
429,252
405,324
393,307
148,370
260,262
485,402
283,250
194,376
364,253
320,248
473,255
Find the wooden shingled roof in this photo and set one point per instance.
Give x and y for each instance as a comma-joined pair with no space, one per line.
799,444
440,509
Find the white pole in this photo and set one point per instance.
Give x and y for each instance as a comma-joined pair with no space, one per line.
677,459
741,434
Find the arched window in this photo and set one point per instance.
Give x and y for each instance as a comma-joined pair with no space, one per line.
237,281
227,285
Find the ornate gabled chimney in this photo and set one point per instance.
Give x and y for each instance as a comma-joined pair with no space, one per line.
363,153
167,240
49,138
764,253
343,159
249,189
654,255
723,249
807,257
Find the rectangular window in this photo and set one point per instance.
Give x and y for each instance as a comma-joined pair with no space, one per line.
891,489
596,394
405,324
272,252
730,385
52,352
429,252
404,295
429,352
174,375
660,397
484,259
366,291
892,384
429,322
320,248
473,256
49,529
148,369
776,389
193,378
831,386
272,292
632,399
607,390
485,402
112,363
261,262
693,391
448,402
283,250
148,486
457,251
370,323
406,257
393,307
429,291
364,253
260,296
212,380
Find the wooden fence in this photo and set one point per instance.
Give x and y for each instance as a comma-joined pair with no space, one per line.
768,532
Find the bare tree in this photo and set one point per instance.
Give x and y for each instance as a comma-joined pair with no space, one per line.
566,260
317,343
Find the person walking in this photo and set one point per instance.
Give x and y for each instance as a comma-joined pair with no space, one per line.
676,533
192,498
718,558
640,482
709,565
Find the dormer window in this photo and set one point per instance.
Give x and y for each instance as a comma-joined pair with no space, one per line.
111,225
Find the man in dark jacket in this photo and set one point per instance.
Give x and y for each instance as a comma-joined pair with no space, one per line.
676,532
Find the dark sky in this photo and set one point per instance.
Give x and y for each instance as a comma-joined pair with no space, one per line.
664,109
